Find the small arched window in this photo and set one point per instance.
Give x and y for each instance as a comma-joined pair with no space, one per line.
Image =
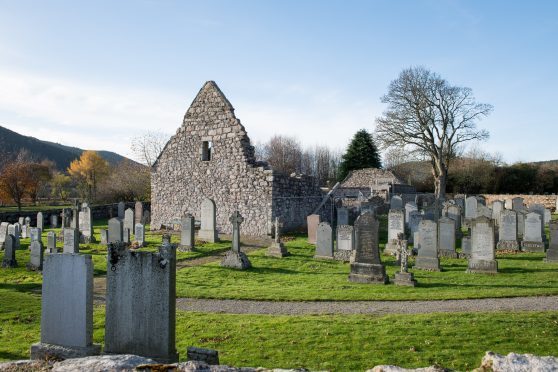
207,148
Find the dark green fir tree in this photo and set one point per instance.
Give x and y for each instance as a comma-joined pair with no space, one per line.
361,153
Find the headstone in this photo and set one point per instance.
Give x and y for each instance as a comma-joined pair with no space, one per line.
454,212
532,238
507,233
74,222
121,208
67,308
187,238
552,251
277,248
345,238
138,212
40,221
104,236
115,230
24,231
409,207
324,243
547,216
517,204
446,237
497,208
21,221
539,208
54,221
3,233
481,200
9,260
129,219
482,247
18,229
14,231
139,234
71,240
312,222
28,221
427,257
146,218
396,226
342,216
35,233
140,316
471,208
367,267
86,224
404,277
396,202
460,202
51,243
208,229
465,247
483,210
521,223
36,256
235,258
414,219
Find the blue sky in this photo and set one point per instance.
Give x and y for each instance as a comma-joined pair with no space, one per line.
93,74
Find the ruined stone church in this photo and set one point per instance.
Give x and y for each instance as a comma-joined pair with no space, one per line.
210,156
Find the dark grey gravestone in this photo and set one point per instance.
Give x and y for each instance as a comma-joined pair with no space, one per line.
40,221
482,247
14,231
367,267
51,243
187,239
115,230
9,260
552,251
146,219
396,226
71,240
235,258
141,303
277,249
67,309
342,216
539,209
427,257
324,241
396,202
36,256
465,247
74,221
532,237
507,232
121,209
126,236
139,234
446,237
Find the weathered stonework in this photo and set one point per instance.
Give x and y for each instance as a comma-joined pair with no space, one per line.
229,175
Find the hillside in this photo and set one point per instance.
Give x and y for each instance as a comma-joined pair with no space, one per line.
11,143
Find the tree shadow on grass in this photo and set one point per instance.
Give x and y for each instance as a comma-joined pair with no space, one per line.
11,356
480,286
25,287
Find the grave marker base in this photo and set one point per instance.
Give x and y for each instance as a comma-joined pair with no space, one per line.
405,279
368,273
185,248
482,266
427,263
508,245
277,250
44,351
447,253
532,246
236,260
343,255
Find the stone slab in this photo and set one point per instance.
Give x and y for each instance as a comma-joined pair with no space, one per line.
368,273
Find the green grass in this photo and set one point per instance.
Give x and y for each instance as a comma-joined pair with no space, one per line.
333,342
300,277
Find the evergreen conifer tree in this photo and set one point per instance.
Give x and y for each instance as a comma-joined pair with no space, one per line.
361,153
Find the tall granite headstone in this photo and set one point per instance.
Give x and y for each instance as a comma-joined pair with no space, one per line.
139,234
427,257
367,267
14,231
482,258
138,212
121,209
324,241
396,226
9,260
414,219
187,238
507,233
129,219
454,212
86,224
71,240
115,230
40,221
208,229
471,204
497,208
532,237
409,207
446,237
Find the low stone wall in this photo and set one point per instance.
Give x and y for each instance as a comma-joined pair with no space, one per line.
549,201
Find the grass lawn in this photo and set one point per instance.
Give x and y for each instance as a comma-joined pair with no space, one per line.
333,342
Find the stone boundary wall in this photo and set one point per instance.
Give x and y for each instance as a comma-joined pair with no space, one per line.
97,212
549,201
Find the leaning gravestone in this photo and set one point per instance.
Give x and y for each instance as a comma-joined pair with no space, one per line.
409,207
51,243
115,230
138,212
427,257
552,251
36,257
324,241
235,258
277,248
342,216
345,242
40,221
9,260
482,247
71,240
187,239
396,202
208,229
532,238
141,303
446,237
396,226
507,233
312,221
35,233
67,309
121,208
471,204
139,234
129,219
367,267
3,233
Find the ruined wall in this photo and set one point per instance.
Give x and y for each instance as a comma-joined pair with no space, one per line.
549,201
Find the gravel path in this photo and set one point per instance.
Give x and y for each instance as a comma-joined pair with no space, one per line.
367,307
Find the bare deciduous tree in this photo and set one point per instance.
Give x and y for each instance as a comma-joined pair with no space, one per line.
147,147
428,115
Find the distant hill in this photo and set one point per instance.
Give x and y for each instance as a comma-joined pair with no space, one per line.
11,143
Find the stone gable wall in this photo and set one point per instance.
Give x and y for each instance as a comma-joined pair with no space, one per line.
180,180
